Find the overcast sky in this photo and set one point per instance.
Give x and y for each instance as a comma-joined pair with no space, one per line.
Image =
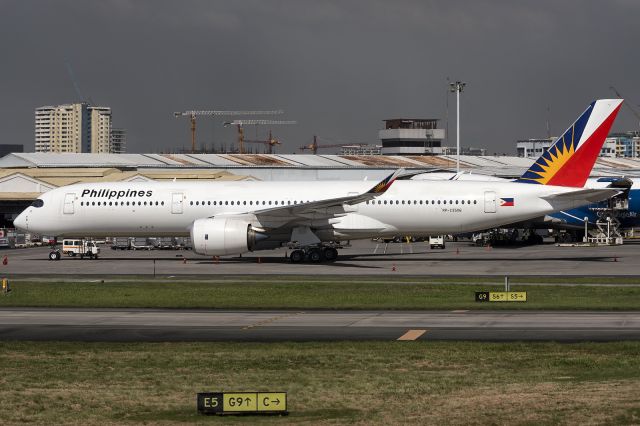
337,67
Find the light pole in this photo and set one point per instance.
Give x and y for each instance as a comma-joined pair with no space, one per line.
457,87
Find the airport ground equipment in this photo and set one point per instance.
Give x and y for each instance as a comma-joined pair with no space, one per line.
240,123
436,241
121,243
193,113
80,247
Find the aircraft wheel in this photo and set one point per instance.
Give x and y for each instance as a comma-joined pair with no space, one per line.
54,255
70,254
330,254
315,256
296,256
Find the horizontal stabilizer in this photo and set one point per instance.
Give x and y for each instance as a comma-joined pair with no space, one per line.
589,195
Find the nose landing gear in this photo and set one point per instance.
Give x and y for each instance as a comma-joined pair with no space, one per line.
55,255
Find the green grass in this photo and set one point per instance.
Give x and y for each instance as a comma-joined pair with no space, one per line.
325,293
337,383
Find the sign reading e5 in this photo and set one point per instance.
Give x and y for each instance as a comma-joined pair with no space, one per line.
242,402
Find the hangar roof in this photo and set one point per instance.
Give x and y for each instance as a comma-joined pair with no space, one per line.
103,164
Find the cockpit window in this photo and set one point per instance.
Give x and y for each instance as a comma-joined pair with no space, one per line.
37,203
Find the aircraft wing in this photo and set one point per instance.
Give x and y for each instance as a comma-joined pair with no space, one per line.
322,209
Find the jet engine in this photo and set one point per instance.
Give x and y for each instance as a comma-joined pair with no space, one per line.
220,236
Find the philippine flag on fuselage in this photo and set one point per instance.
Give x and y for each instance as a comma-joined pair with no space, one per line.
506,202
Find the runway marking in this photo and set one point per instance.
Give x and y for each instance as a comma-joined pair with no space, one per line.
270,320
412,335
460,311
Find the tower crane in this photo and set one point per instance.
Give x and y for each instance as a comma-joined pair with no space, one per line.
241,123
631,108
193,113
624,101
269,143
314,147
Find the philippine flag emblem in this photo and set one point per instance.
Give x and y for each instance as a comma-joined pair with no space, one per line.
506,202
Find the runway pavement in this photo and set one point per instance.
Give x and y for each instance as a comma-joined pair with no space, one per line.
218,325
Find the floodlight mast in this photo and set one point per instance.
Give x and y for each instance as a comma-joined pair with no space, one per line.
457,87
193,113
240,123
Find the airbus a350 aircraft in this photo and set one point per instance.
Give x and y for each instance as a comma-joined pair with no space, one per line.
236,217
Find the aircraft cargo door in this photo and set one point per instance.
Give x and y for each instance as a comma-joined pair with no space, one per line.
176,203
489,202
69,199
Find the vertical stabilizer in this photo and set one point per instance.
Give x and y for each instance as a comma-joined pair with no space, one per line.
568,162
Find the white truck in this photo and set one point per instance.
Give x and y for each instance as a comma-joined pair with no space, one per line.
80,247
436,241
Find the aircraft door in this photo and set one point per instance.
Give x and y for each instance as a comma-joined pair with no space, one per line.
69,200
489,202
176,203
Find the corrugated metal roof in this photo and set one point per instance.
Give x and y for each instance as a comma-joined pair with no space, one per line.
97,165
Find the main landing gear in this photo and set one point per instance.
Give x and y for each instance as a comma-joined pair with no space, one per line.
54,255
314,254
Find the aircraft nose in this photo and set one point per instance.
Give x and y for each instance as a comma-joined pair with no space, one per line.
21,222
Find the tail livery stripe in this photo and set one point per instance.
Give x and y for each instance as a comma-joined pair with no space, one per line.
385,183
568,162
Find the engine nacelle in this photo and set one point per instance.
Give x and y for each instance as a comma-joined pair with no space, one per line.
220,236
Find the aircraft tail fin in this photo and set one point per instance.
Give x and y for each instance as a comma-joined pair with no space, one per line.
568,162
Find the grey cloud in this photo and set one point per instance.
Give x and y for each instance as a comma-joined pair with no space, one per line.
338,67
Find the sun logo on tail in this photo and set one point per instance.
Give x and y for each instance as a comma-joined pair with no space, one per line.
543,170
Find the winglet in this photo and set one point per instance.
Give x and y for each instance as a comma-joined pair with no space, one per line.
385,183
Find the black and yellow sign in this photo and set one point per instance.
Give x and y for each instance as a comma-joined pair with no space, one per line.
501,296
242,402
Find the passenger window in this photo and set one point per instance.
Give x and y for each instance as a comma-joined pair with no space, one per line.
191,203
81,203
475,201
139,203
162,203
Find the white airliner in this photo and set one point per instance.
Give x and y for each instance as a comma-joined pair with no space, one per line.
235,217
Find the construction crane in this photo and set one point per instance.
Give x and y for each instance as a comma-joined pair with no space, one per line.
192,118
241,123
624,101
314,147
269,143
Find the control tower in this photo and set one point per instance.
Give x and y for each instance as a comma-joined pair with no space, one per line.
412,136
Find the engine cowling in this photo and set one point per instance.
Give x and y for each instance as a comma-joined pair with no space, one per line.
220,236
